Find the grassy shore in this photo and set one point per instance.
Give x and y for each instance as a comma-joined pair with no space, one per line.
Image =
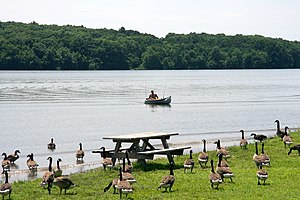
283,181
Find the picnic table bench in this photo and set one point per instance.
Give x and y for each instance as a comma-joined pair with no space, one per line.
142,151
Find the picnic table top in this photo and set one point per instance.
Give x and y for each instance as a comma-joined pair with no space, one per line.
146,135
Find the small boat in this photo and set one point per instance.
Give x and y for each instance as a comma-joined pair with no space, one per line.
166,100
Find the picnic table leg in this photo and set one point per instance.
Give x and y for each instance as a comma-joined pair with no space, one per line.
138,149
166,146
116,152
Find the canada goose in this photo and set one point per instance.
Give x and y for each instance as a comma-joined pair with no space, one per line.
80,153
258,159
128,168
13,157
189,163
265,157
168,181
5,163
224,172
261,174
51,145
279,133
203,156
243,141
123,186
5,188
259,137
63,183
287,139
113,183
31,164
126,175
296,147
222,150
58,171
48,177
214,178
106,162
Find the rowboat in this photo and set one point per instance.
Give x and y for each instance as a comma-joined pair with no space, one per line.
166,100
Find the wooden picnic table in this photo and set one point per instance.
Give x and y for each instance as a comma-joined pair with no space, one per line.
141,147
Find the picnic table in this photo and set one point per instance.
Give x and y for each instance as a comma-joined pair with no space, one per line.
141,146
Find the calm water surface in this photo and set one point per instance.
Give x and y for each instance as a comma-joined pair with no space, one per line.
85,106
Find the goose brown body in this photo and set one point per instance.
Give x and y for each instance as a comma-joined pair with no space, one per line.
214,178
169,180
189,163
48,177
80,153
31,163
6,187
203,156
5,162
243,141
63,183
106,162
225,172
287,139
123,186
14,156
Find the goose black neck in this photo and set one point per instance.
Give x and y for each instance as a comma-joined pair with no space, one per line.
204,146
212,166
278,125
123,164
220,160
51,140
218,144
262,148
256,149
243,136
191,156
120,170
171,169
286,130
80,146
104,153
50,164
57,163
128,161
6,177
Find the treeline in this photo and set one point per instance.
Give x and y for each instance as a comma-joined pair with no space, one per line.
51,47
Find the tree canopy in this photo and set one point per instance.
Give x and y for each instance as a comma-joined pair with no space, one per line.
51,47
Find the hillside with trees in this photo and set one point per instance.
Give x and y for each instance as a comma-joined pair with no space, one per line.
51,47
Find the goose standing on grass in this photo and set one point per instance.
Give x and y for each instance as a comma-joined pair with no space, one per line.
168,181
126,175
106,162
265,157
80,153
222,150
287,139
5,163
6,187
14,156
243,141
224,172
63,183
258,160
31,163
128,168
48,177
189,163
279,133
58,171
51,145
262,175
214,178
296,147
203,156
258,137
113,183
123,186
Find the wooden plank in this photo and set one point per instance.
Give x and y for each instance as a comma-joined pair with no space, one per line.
174,151
146,135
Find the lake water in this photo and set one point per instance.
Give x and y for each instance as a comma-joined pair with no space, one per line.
85,106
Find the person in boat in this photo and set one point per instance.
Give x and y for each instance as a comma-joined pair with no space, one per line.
153,95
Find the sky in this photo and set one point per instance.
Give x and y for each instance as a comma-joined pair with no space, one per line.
270,18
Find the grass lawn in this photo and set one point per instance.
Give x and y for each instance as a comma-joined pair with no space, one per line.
283,181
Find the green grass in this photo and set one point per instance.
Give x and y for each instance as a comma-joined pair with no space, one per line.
283,181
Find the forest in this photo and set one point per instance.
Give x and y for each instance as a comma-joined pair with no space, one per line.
33,46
